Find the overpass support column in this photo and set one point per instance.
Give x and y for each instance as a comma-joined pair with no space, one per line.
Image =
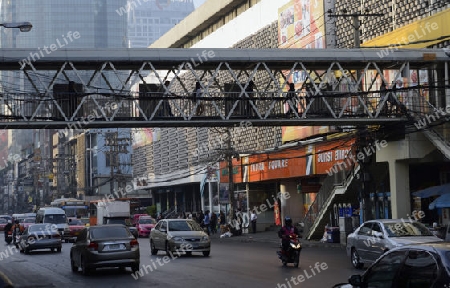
399,182
291,202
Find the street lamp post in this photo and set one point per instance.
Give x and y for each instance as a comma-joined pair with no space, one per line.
23,26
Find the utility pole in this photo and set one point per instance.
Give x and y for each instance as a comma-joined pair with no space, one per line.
356,23
117,146
229,157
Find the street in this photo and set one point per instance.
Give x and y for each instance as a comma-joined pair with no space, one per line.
231,264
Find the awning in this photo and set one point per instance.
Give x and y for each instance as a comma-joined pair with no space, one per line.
442,201
433,191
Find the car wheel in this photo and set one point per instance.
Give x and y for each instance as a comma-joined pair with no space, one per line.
135,267
206,253
72,265
153,249
189,253
58,249
26,251
84,268
355,259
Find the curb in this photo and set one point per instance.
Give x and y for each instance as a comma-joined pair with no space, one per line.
250,239
6,282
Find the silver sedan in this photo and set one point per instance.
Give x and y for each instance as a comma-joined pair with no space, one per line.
375,237
179,236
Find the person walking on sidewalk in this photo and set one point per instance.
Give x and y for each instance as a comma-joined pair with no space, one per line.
207,222
253,218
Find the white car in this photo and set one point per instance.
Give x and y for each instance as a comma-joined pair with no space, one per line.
375,237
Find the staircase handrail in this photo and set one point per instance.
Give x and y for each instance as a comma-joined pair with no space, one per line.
327,188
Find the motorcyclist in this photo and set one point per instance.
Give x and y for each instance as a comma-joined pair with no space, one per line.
17,229
8,228
284,234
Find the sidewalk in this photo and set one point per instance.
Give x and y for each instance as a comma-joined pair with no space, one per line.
272,237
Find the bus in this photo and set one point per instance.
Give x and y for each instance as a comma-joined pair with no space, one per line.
74,208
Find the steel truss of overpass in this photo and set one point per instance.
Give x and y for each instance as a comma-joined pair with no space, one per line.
86,88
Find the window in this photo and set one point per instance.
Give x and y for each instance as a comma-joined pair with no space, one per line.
383,273
163,225
365,230
55,218
110,232
420,270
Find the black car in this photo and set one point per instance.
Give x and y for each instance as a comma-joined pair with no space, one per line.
40,236
413,266
105,246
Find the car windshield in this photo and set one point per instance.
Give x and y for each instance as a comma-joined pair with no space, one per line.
184,226
55,218
76,222
3,220
109,232
146,221
41,227
29,220
405,229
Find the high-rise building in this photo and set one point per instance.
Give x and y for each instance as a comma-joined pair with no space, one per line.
149,20
66,24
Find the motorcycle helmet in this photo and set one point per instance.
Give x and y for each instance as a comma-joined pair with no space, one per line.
287,221
17,221
9,221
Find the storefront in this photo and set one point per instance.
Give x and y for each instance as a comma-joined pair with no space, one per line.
290,178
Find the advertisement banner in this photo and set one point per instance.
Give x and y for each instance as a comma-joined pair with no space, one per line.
301,24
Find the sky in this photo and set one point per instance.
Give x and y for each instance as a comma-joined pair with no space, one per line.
197,3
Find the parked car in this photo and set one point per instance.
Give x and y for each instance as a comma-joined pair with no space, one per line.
27,222
144,225
40,236
75,227
413,266
3,223
375,237
179,235
100,246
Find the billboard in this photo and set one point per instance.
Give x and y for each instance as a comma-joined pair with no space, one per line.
145,136
301,24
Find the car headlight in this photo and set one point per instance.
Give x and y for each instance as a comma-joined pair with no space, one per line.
177,239
205,238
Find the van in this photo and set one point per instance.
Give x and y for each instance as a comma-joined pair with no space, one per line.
57,216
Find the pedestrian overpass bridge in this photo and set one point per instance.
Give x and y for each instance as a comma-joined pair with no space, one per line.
110,88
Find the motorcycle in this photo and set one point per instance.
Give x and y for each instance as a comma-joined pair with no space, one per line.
292,254
9,237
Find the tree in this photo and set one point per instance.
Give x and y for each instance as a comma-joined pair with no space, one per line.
151,210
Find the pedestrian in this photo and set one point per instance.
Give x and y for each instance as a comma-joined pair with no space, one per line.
223,222
399,98
200,217
250,97
207,222
290,100
213,223
198,105
253,218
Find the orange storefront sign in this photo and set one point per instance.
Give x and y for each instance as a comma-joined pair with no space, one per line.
279,165
304,161
329,154
237,175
